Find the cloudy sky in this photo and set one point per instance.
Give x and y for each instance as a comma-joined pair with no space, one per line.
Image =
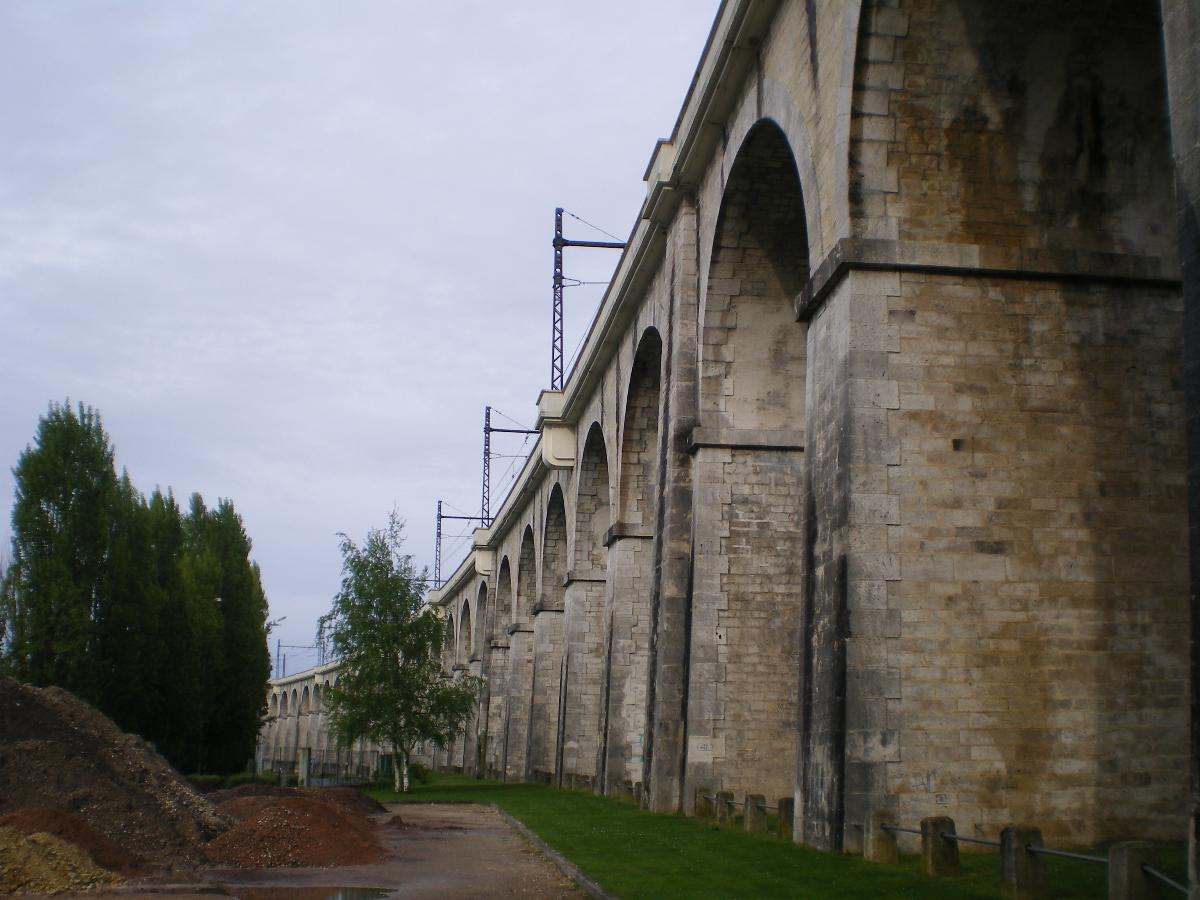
289,250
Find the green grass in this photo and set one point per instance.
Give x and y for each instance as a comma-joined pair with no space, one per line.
632,853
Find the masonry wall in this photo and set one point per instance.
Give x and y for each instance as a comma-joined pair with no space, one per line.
924,547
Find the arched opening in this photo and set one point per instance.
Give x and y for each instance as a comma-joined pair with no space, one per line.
583,621
274,706
504,598
554,551
753,352
548,642
519,686
748,537
592,518
464,633
526,576
283,704
481,618
639,436
630,577
495,749
448,644
305,702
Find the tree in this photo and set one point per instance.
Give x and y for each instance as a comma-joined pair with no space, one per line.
66,490
157,618
391,686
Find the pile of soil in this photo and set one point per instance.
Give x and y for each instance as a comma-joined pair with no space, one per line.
59,753
347,798
294,831
106,853
43,864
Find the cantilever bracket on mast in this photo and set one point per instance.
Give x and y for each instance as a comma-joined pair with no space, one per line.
556,317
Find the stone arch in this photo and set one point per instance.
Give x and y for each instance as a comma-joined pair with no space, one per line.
526,595
449,645
519,679
305,701
545,744
283,703
274,706
748,538
753,354
773,102
1053,133
592,514
639,435
584,618
630,577
554,550
505,598
478,645
464,632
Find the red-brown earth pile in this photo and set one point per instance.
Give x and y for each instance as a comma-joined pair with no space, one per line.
298,830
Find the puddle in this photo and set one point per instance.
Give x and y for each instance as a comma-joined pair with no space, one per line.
309,893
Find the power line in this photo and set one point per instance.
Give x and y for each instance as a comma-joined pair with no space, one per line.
590,225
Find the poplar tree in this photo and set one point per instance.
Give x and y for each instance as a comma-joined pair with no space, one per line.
391,687
157,618
66,488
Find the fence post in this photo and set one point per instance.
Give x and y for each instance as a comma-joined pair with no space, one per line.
1126,880
938,855
787,816
1022,874
755,816
703,805
879,845
725,813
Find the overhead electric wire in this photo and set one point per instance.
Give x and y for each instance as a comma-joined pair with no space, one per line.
590,225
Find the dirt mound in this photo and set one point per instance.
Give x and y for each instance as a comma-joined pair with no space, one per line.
343,797
106,853
43,864
59,753
294,831
347,798
250,790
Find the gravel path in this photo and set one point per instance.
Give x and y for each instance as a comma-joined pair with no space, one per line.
441,851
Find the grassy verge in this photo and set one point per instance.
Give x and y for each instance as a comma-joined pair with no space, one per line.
633,853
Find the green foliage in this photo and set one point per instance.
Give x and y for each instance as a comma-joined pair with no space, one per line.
237,779
418,774
391,686
206,784
156,617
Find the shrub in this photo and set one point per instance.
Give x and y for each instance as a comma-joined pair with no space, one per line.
240,778
418,774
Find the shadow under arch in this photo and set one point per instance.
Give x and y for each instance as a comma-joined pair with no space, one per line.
748,474
629,580
545,714
519,687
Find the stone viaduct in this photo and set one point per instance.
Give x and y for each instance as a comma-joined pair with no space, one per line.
295,736
869,486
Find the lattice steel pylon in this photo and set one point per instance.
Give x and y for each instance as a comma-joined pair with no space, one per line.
556,316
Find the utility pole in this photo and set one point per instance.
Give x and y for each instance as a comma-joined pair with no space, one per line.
437,549
556,323
486,504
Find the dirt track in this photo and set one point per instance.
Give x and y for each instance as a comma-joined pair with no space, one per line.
442,851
